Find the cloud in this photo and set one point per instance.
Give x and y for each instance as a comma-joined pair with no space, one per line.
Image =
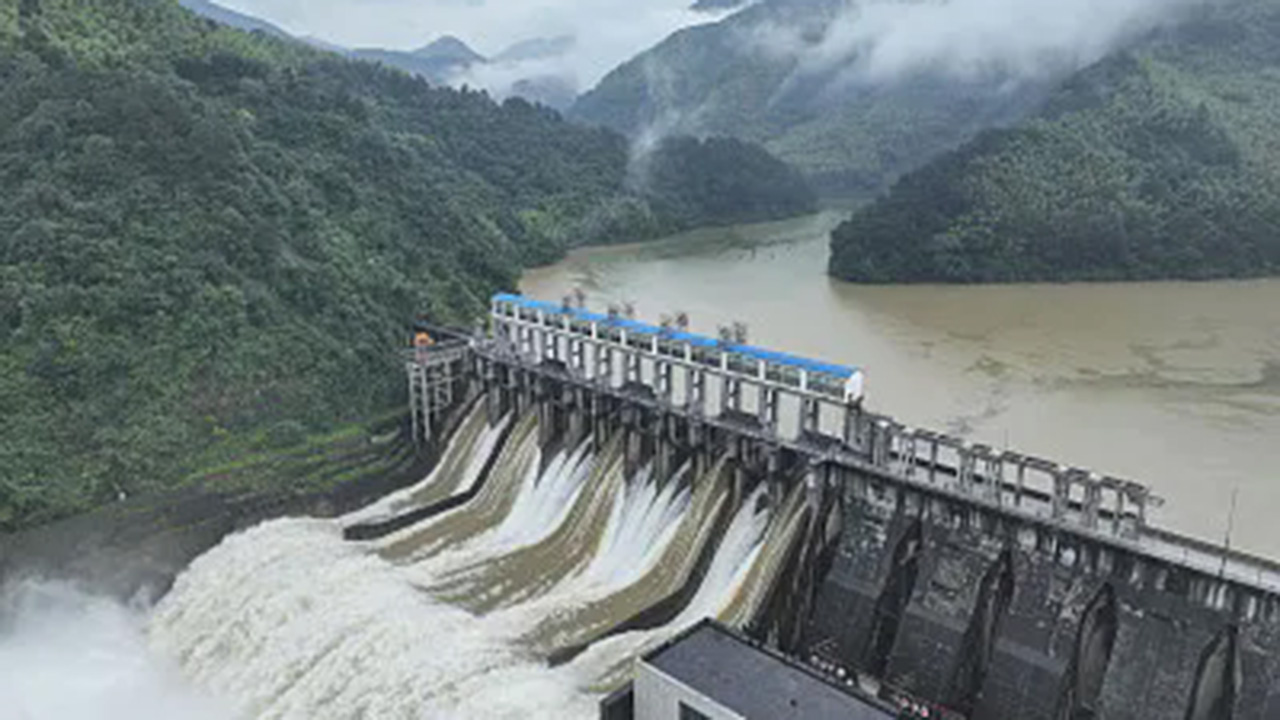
883,40
606,32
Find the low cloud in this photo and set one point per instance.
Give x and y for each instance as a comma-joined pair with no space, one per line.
606,32
881,41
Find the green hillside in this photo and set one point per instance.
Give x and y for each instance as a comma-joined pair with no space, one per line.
848,138
1161,162
213,240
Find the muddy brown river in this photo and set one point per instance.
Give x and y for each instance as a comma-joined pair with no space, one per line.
1176,385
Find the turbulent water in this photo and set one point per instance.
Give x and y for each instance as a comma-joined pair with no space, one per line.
67,654
458,617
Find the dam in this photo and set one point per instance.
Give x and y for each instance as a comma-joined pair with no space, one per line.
991,583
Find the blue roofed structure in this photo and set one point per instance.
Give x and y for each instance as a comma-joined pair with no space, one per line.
770,356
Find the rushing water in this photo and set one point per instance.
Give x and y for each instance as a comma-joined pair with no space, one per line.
458,616
68,654
1176,385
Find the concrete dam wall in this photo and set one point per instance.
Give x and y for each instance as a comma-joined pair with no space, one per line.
991,583
1002,620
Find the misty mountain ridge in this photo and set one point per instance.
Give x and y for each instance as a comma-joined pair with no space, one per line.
449,48
1157,162
717,5
439,61
443,61
230,17
854,94
539,48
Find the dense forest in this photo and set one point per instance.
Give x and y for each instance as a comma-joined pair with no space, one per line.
213,240
1158,162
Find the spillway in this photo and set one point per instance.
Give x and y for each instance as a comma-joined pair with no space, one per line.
530,598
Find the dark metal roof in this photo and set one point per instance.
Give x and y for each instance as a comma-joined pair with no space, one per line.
757,683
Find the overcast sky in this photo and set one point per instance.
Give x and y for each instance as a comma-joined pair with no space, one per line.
608,31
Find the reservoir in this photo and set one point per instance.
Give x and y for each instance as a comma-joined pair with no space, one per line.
1175,385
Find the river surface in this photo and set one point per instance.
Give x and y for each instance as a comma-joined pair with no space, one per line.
1175,385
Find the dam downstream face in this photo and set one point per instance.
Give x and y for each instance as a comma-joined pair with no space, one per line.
1173,385
459,615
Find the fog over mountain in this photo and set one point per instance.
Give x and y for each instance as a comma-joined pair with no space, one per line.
855,93
883,40
605,33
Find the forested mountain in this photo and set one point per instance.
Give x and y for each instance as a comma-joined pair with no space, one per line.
437,61
211,239
444,61
753,75
1158,162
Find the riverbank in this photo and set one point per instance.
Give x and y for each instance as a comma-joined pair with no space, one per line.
133,549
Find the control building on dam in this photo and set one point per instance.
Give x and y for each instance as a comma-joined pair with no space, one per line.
989,583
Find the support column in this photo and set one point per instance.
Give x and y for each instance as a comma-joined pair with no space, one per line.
546,412
495,395
729,391
809,415
1092,501
768,405
632,361
411,374
1061,492
850,432
1022,483
424,403
1140,499
993,473
965,471
1117,519
604,365
908,458
550,345
630,438
662,449
698,388
697,440
882,445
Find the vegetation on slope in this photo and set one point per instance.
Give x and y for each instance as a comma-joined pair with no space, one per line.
746,77
1160,162
209,237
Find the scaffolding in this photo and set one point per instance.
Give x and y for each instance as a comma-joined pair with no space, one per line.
433,372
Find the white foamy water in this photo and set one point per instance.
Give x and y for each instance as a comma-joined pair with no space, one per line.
67,655
472,459
291,622
739,550
645,519
608,659
547,497
287,620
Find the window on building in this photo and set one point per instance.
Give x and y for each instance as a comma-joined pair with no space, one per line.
688,713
